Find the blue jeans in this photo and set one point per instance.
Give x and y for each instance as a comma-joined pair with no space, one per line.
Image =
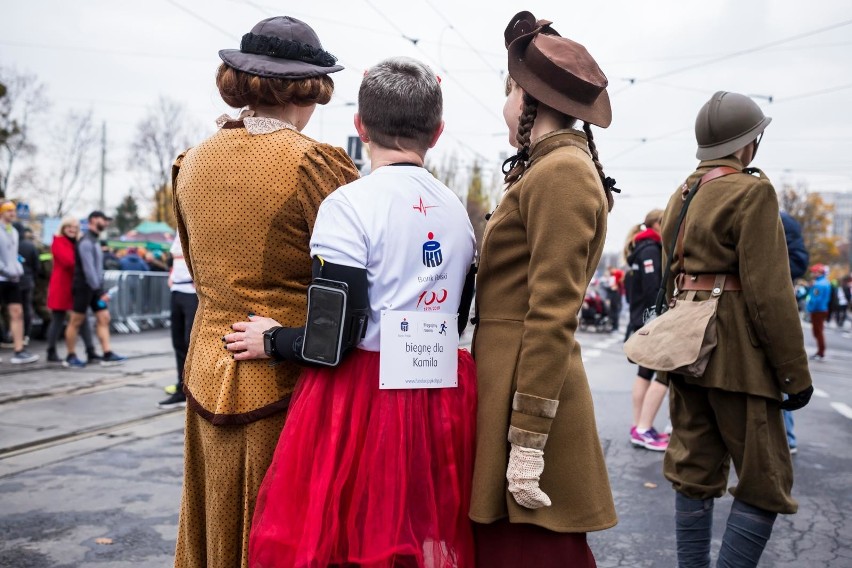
788,425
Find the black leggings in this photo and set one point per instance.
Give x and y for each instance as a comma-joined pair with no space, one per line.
57,325
183,313
646,374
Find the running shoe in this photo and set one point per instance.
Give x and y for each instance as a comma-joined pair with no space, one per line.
73,362
23,356
647,441
111,359
177,400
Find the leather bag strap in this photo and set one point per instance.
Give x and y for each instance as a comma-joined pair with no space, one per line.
688,196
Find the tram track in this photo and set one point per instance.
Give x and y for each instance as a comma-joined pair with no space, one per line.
105,382
81,434
42,426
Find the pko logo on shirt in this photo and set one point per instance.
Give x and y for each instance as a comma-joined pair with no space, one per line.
432,255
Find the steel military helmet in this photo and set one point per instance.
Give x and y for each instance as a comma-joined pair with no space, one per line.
726,123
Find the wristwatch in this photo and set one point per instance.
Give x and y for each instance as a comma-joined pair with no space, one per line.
269,342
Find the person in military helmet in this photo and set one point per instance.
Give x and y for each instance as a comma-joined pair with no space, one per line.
733,411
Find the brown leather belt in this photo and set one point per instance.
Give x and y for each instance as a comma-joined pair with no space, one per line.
705,282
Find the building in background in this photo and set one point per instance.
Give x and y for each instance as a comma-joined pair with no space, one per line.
841,217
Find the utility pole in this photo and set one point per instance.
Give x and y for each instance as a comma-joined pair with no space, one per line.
102,202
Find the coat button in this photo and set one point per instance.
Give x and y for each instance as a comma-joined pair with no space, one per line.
788,380
488,216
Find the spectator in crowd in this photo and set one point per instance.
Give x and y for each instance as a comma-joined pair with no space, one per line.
644,253
844,298
249,196
111,261
796,250
819,299
614,292
184,303
132,261
29,257
799,257
156,262
88,293
59,297
11,272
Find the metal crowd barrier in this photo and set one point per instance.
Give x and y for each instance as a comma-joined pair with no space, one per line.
138,300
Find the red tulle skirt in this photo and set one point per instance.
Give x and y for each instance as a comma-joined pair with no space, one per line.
368,477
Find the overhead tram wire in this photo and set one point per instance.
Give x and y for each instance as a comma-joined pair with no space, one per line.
86,49
200,18
265,9
446,72
733,54
644,141
750,50
812,93
500,72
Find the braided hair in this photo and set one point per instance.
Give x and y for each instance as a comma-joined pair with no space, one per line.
519,162
608,183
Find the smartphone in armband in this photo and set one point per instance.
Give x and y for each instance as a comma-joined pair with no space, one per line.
326,321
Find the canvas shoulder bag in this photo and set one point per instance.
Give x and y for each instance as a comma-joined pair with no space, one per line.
682,338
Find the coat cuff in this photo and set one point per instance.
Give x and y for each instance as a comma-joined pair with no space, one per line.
534,405
794,376
527,439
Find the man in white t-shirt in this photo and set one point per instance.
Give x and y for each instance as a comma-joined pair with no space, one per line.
184,303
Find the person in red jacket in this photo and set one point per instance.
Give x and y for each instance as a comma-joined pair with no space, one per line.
59,299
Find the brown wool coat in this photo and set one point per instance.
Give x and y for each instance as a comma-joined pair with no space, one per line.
733,226
539,252
245,207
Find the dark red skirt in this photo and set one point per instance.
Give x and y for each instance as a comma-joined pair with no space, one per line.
369,477
508,545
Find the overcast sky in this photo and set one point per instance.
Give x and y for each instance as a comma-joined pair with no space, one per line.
663,59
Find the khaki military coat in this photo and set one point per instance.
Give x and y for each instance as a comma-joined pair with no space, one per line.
245,206
540,250
733,226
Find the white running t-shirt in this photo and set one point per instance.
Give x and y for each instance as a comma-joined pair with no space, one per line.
410,232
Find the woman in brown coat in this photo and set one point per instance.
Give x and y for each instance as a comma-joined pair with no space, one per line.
536,424
246,200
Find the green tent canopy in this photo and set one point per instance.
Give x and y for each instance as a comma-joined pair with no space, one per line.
150,235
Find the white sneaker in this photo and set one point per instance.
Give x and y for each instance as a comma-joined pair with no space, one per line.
23,357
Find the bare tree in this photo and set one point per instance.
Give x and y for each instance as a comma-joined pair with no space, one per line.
161,135
22,100
74,148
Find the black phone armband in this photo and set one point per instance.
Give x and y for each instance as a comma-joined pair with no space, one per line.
338,310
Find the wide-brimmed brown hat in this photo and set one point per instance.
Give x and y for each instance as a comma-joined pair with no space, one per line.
556,71
281,47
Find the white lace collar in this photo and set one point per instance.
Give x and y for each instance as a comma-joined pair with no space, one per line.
256,124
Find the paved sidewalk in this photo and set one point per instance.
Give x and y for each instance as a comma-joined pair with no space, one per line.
97,482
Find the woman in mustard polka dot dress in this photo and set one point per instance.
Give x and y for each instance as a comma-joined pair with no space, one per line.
246,200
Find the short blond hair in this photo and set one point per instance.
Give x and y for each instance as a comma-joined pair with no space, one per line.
67,220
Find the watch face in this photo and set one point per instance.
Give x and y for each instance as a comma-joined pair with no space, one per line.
267,342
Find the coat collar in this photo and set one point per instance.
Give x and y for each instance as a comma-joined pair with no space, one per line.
254,125
730,162
557,139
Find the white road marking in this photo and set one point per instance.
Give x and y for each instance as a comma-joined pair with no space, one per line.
843,409
590,354
820,393
603,344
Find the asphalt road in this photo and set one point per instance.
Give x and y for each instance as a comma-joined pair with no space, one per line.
90,469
